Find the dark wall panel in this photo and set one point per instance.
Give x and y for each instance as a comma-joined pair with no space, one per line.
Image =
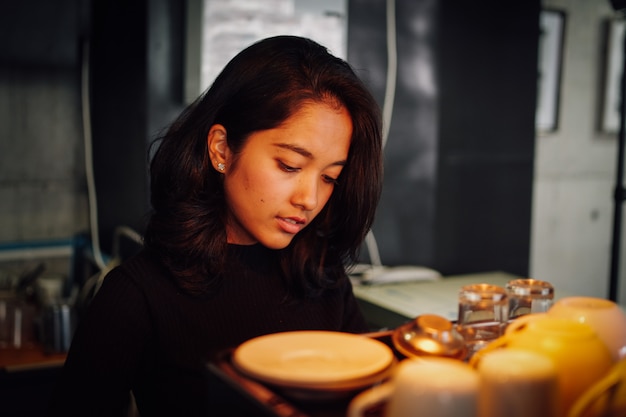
118,96
136,50
459,159
488,78
402,230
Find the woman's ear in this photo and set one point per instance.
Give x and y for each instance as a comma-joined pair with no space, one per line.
218,148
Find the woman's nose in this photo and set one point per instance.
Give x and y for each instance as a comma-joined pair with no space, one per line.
306,194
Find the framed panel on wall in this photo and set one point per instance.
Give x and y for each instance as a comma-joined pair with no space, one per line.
614,62
550,61
218,29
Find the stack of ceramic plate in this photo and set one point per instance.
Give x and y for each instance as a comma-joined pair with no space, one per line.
315,364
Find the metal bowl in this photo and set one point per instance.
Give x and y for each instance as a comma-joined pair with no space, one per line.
429,335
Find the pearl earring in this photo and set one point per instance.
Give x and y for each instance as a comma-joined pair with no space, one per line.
221,166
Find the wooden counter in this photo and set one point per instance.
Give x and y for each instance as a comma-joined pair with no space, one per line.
30,358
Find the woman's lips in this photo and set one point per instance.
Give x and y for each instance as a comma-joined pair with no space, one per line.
291,224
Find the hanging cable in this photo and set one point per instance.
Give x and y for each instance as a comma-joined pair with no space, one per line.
392,70
91,188
388,103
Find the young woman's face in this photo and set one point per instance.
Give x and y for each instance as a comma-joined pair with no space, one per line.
284,176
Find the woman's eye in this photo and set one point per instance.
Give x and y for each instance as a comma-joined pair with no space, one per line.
286,167
330,180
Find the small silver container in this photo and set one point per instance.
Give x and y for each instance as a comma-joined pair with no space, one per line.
58,322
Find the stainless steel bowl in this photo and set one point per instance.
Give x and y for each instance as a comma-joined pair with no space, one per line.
429,335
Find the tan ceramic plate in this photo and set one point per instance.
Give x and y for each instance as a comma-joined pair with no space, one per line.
314,359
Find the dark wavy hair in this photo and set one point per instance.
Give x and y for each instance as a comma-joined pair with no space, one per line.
259,89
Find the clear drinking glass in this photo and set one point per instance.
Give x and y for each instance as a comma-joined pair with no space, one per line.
483,314
527,295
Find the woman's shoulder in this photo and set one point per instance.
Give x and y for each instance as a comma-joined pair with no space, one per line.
143,268
142,263
139,278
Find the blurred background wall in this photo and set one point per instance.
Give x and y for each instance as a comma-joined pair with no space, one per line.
575,165
470,186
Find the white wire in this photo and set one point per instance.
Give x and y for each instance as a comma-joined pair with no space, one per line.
390,91
392,69
372,248
91,188
116,258
124,231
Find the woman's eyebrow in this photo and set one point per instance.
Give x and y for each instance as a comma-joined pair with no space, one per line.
304,152
296,149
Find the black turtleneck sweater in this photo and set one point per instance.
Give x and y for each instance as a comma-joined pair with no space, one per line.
141,333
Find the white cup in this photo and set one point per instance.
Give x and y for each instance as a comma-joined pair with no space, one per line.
49,289
433,387
606,317
517,383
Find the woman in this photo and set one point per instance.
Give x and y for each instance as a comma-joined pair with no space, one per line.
262,193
